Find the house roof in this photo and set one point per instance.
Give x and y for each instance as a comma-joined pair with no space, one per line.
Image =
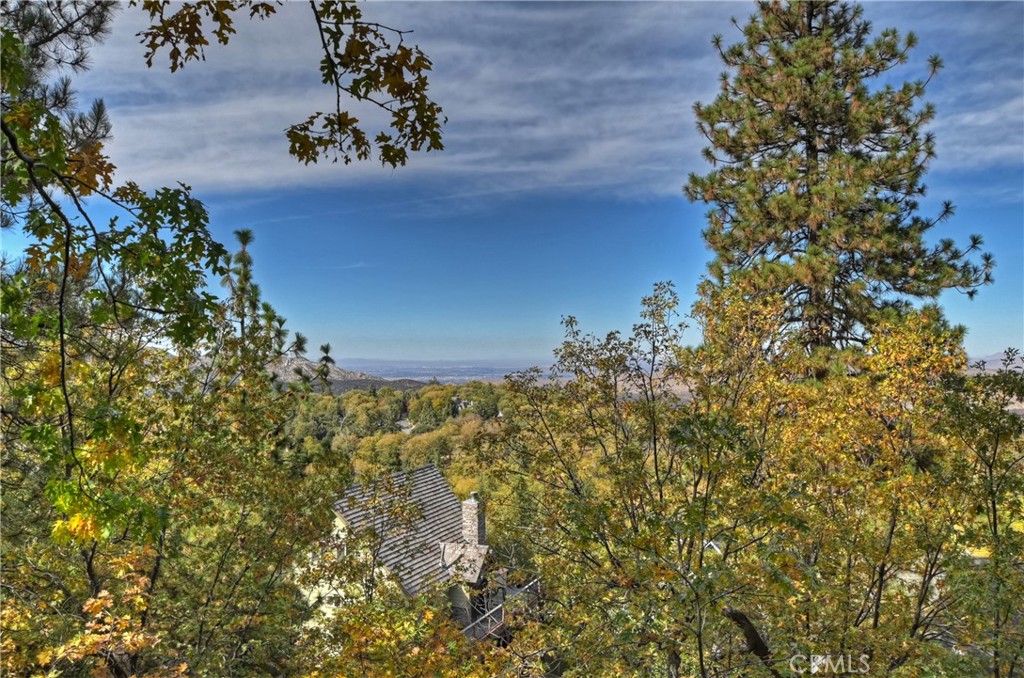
412,512
465,560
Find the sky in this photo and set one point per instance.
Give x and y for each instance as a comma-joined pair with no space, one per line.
570,133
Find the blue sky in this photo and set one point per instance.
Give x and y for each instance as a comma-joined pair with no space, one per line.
570,134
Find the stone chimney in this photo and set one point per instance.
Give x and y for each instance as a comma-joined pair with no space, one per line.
473,530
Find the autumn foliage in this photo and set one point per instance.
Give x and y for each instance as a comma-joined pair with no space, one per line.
809,469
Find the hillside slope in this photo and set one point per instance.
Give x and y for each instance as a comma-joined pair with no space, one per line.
341,380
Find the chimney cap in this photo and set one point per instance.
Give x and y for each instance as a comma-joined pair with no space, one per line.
473,496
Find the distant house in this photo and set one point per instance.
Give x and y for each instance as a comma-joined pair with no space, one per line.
425,538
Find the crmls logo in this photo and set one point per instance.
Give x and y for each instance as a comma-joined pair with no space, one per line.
826,663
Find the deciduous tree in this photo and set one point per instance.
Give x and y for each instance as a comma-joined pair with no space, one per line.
764,515
365,62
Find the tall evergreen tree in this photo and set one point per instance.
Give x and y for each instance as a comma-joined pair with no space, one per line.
817,173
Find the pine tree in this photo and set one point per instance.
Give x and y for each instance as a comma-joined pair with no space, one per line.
817,173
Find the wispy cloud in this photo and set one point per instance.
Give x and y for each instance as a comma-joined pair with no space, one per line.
566,96
348,267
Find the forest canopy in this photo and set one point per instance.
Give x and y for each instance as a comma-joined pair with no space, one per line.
801,465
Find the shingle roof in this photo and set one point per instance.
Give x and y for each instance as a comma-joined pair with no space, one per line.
412,512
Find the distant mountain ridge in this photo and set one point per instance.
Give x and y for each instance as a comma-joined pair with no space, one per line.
993,361
409,375
445,371
340,380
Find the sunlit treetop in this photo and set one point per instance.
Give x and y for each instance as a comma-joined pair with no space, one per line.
817,167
